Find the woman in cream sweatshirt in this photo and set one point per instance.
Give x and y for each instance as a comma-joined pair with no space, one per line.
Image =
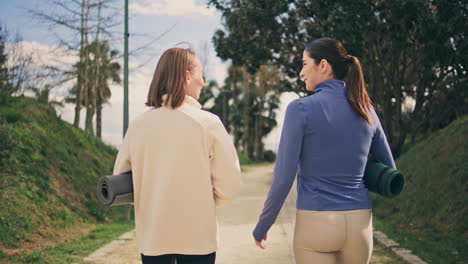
184,165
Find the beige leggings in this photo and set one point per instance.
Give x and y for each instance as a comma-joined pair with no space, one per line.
333,237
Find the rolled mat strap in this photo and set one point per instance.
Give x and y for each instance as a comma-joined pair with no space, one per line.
383,180
116,189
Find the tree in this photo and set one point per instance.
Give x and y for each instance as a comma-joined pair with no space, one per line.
109,70
260,107
6,88
246,98
252,31
81,18
207,92
20,73
409,50
267,101
243,28
42,96
14,66
20,66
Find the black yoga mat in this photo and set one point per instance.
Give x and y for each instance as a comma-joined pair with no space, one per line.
383,180
116,189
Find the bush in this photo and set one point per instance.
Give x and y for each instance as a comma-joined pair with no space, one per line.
269,156
244,159
12,116
6,137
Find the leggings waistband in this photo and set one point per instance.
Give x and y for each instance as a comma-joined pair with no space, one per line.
347,212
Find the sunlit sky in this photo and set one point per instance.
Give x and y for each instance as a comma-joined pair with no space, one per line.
177,21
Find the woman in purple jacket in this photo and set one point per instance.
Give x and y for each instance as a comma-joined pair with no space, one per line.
326,139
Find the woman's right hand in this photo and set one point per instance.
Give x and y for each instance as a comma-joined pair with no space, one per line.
261,244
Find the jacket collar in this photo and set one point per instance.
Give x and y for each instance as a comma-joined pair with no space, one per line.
192,101
334,86
188,100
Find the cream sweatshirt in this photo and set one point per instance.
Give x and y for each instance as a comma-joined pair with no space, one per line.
184,164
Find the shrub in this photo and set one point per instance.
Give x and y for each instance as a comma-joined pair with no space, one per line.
12,116
6,137
269,156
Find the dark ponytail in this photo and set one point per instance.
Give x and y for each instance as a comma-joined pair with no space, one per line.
344,67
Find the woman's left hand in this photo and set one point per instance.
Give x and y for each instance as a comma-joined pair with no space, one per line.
261,244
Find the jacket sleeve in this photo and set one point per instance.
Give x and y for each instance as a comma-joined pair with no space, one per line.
286,166
380,150
225,168
122,162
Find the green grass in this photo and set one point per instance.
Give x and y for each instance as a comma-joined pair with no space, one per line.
48,174
385,255
431,251
244,159
74,251
430,216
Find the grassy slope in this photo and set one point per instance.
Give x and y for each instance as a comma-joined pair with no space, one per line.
432,209
48,174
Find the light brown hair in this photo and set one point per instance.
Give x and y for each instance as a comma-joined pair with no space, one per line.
170,78
344,67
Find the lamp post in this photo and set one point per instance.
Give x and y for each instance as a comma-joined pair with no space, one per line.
125,208
125,113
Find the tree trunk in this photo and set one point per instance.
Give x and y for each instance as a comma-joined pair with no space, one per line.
99,117
81,77
89,92
246,116
94,87
259,140
225,117
90,109
86,81
234,96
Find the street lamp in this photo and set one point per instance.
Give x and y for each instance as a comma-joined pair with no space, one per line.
126,35
125,208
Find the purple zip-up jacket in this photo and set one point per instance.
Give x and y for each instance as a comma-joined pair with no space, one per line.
327,144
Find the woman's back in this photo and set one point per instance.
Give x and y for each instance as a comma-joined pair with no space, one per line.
173,155
335,148
184,165
327,144
326,139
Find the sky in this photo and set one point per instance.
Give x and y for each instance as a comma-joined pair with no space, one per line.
168,21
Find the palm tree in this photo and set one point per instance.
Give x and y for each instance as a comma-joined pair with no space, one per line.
109,70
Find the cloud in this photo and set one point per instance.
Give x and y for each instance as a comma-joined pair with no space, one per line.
41,54
36,61
171,8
